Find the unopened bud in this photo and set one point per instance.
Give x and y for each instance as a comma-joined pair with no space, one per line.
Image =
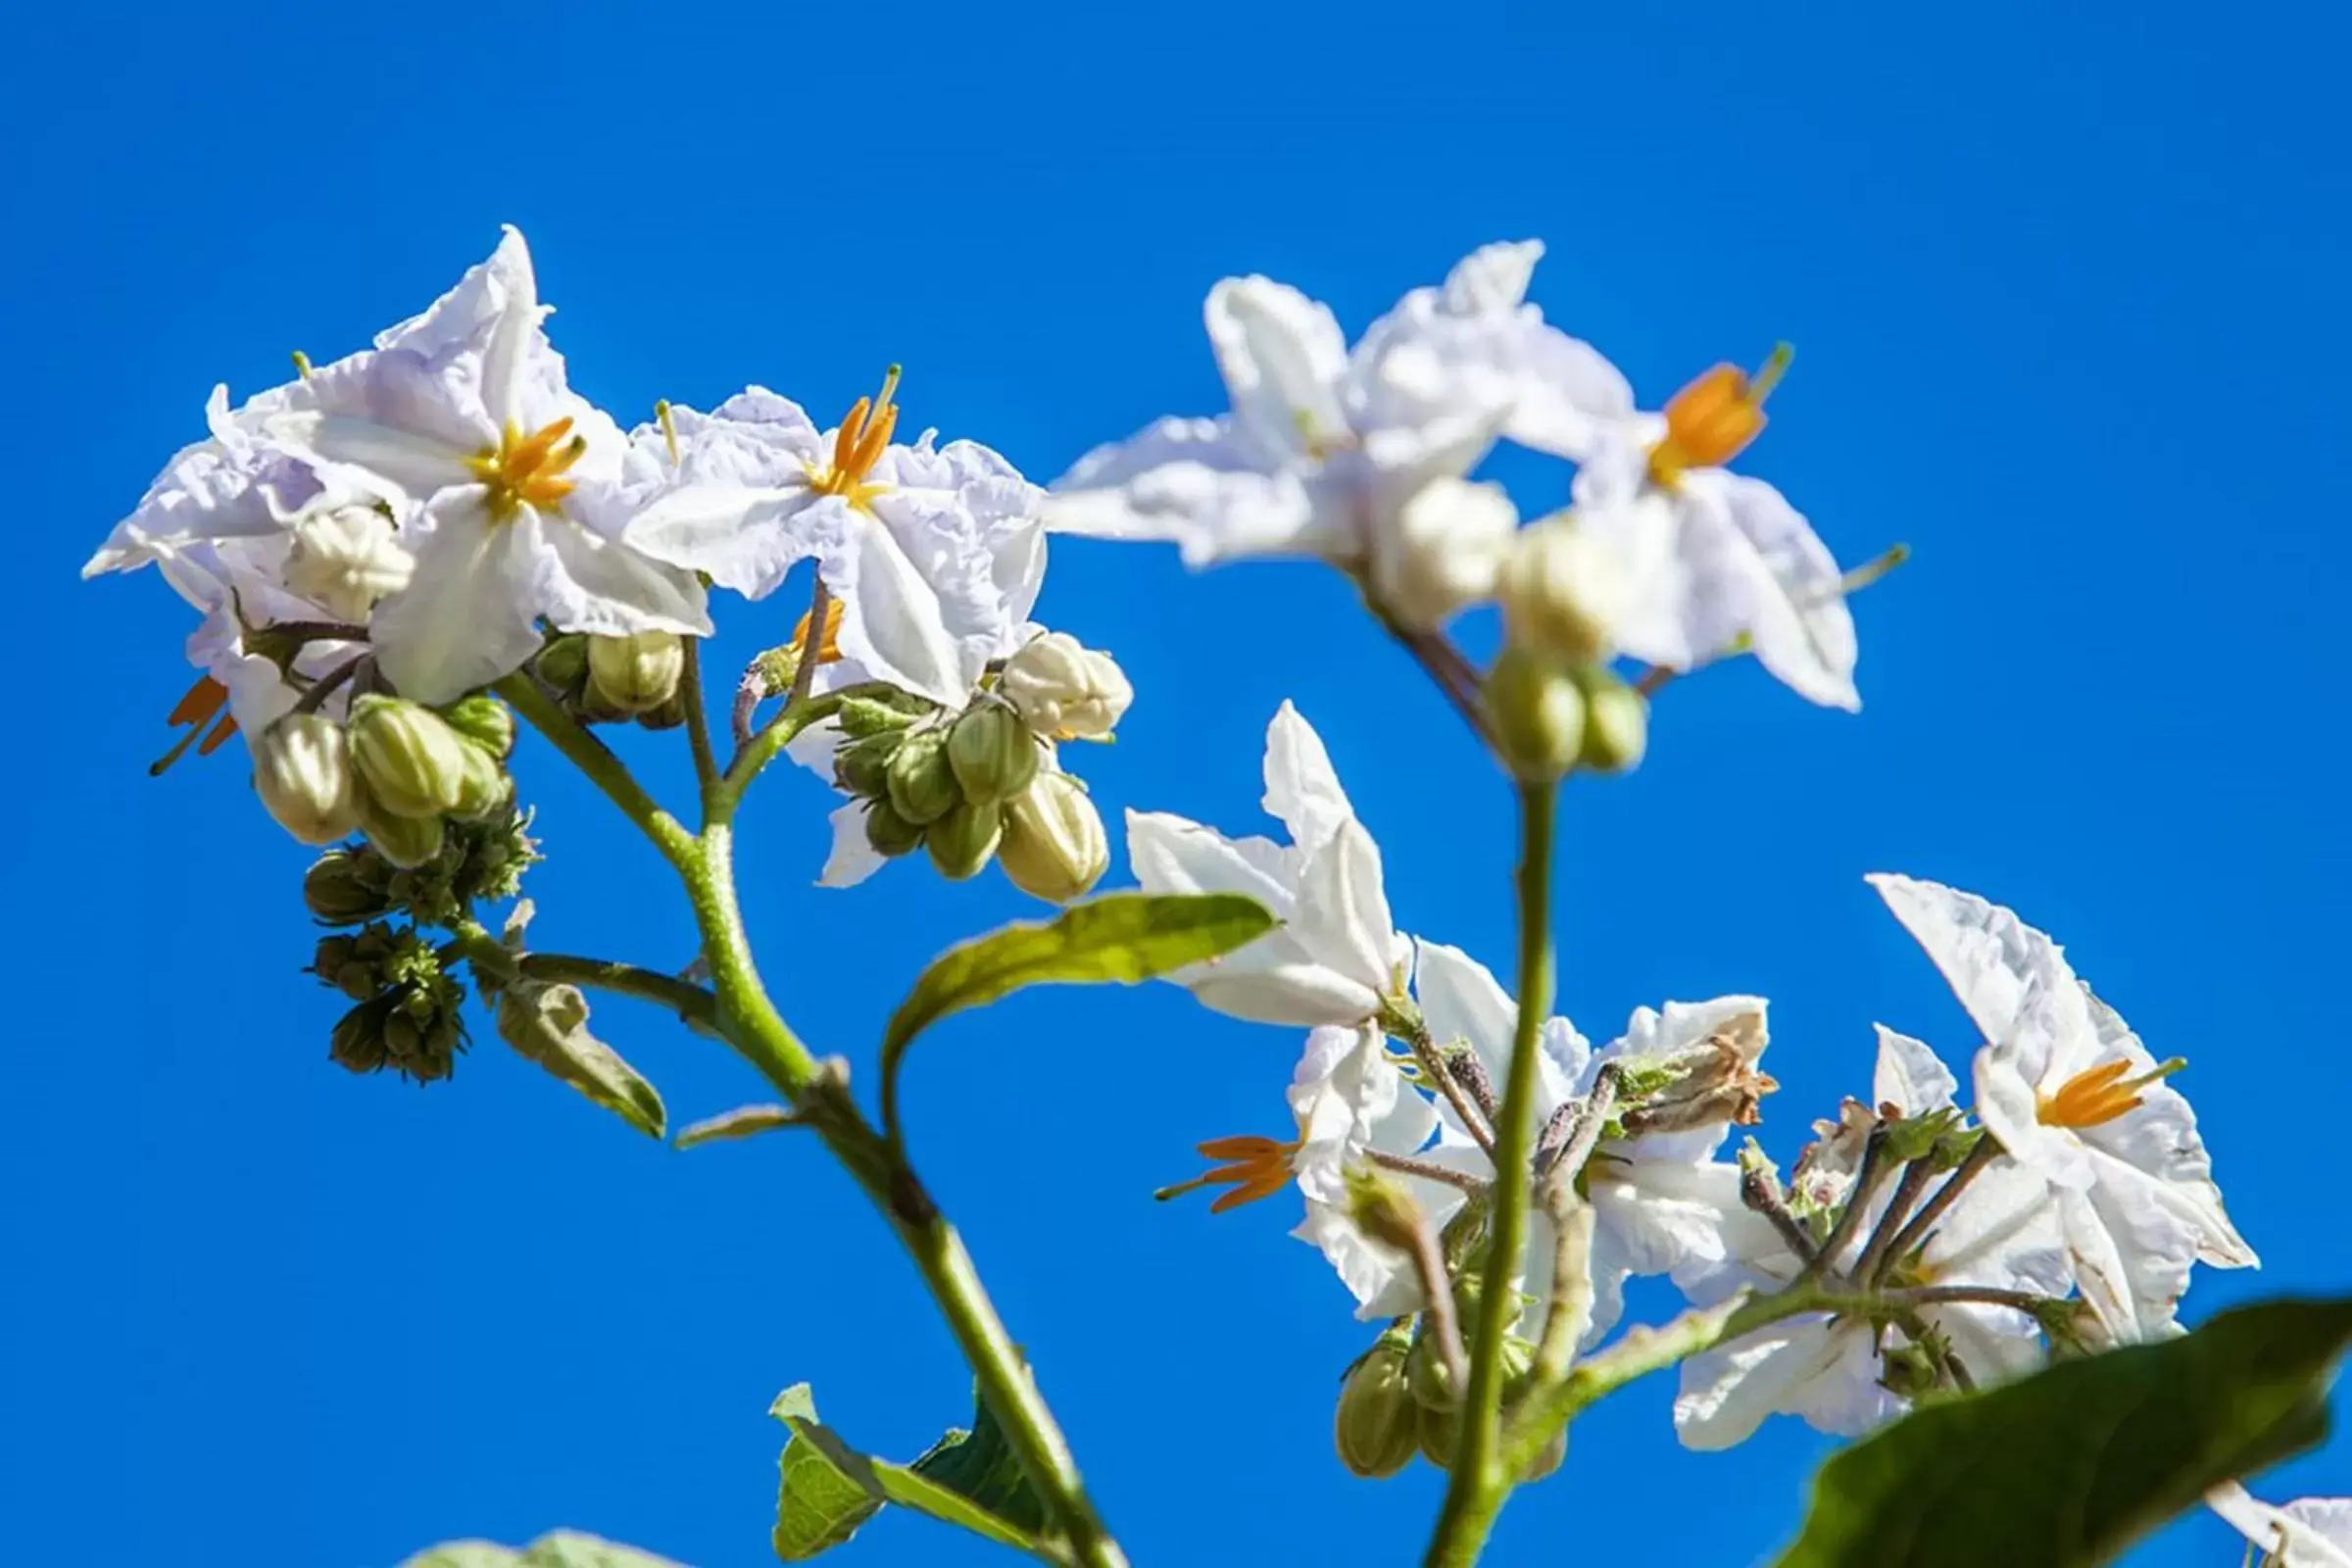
486,789
408,842
1064,690
890,833
634,675
413,764
1054,845
358,1043
861,716
563,662
964,840
1559,590
486,721
922,785
1380,1207
1616,723
344,558
1537,712
1377,1426
344,887
302,771
993,753
863,766
1444,551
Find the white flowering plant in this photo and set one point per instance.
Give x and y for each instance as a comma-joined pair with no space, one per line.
405,555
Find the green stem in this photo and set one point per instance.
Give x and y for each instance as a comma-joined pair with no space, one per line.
749,1021
762,749
694,1005
1480,1478
698,721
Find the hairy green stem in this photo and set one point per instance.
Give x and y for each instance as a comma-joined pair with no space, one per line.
1480,1478
748,1020
697,721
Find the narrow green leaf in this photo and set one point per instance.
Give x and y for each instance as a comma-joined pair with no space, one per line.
1121,938
971,1480
564,1549
743,1121
2067,1468
549,1024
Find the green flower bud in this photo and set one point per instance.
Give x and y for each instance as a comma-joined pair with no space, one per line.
1430,1382
563,662
860,718
669,715
1616,723
922,784
1538,715
484,721
413,764
993,753
1054,847
1438,1431
862,767
1377,1426
485,789
634,675
302,771
407,842
964,840
358,1043
889,832
344,887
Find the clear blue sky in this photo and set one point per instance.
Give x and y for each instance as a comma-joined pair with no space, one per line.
2068,299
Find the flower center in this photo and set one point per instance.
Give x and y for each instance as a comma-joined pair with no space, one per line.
2099,1094
863,436
202,703
1254,1167
528,469
1712,421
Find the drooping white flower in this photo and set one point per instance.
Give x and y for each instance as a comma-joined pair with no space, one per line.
1714,561
513,490
935,552
1322,449
1662,1204
2072,1095
2000,1234
227,486
1336,954
2308,1533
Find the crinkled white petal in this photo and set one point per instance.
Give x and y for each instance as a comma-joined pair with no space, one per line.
1342,918
1801,629
1282,355
1302,789
470,614
891,619
1910,1077
747,540
2005,973
1190,483
1804,1366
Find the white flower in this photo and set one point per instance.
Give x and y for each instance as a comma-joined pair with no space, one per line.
1065,690
2000,1234
1336,954
227,486
513,490
1445,551
1322,448
1350,1099
1661,1203
1716,560
2308,1533
2071,1094
936,554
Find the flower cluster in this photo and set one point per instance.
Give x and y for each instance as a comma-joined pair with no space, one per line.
1943,1251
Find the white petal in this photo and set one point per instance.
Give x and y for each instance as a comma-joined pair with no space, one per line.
470,614
1302,789
891,620
1910,1077
747,540
604,587
1461,1000
2013,980
1170,854
1802,630
1342,918
1801,1367
2009,1105
852,859
1190,483
1282,355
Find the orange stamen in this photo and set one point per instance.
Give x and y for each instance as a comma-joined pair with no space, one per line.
1255,1167
829,648
528,469
2099,1094
1713,420
198,707
864,437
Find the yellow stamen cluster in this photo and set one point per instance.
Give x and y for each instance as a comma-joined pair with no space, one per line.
2099,1094
828,647
199,707
528,469
1712,421
863,436
1254,1167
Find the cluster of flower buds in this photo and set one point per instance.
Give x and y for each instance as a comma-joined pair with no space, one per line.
616,680
986,783
480,862
1400,1398
393,770
408,1016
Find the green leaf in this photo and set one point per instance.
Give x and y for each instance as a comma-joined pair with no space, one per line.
1121,938
2067,1468
549,1024
743,1121
564,1549
968,1479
